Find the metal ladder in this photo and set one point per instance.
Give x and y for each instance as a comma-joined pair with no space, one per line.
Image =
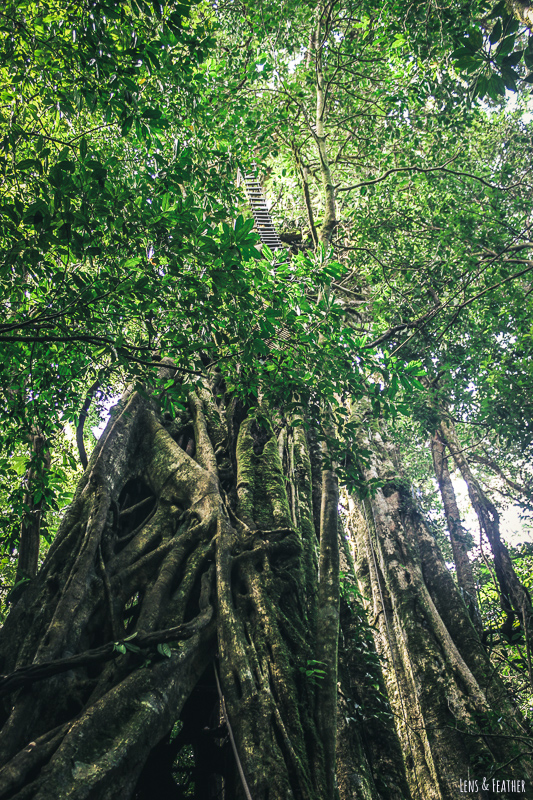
263,220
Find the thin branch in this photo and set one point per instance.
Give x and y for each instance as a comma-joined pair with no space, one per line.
232,739
396,169
81,422
480,294
426,317
441,168
74,338
488,462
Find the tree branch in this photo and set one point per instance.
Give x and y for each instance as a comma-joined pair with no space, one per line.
37,672
81,422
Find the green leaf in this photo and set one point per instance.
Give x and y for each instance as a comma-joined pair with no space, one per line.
26,163
19,464
496,86
499,8
398,42
475,40
164,649
513,59
509,78
505,47
496,33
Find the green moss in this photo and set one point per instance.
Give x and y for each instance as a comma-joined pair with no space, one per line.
262,496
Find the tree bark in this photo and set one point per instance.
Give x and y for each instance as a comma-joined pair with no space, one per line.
328,623
514,597
465,575
330,213
189,556
30,528
218,551
440,683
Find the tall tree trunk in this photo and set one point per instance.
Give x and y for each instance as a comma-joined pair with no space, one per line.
197,535
463,566
328,622
514,597
451,711
30,527
303,171
370,763
329,221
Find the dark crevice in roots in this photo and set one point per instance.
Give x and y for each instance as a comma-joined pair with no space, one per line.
194,761
132,609
136,504
247,634
238,685
260,435
218,386
182,431
191,609
186,441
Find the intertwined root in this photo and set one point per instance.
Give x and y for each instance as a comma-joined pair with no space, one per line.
153,542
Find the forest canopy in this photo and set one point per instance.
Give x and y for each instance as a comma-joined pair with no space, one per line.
251,497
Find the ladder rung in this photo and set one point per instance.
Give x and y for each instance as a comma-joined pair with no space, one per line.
263,220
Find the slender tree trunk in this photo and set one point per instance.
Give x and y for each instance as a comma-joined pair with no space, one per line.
330,213
514,597
465,575
328,622
30,528
303,171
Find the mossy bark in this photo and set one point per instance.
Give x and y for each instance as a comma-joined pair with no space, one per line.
199,533
453,715
370,763
515,599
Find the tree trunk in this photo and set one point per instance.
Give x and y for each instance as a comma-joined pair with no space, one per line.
453,716
514,597
465,575
329,221
30,527
183,533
